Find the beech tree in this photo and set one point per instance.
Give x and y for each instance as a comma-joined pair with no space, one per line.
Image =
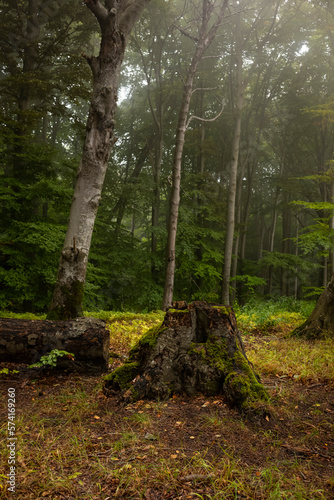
116,20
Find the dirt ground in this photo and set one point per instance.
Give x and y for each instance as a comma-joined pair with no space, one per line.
296,438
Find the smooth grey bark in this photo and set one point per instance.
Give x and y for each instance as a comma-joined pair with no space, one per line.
204,38
116,20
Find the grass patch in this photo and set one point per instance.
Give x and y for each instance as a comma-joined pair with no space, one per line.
75,443
301,359
127,328
263,316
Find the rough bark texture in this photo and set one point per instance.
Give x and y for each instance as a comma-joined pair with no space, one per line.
197,349
321,322
23,341
116,20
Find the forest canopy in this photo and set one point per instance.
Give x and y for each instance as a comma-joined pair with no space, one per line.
269,68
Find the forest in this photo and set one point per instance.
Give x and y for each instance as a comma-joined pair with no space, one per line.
166,249
255,217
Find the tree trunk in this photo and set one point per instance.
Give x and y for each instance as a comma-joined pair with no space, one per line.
156,197
198,348
274,224
174,202
321,322
116,21
205,38
232,188
23,341
237,240
123,200
286,242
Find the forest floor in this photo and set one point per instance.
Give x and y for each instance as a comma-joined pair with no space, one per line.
74,443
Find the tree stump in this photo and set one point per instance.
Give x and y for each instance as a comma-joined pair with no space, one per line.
197,349
25,341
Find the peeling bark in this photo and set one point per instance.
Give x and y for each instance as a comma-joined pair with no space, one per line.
116,20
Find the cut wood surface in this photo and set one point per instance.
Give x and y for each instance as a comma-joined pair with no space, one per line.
25,341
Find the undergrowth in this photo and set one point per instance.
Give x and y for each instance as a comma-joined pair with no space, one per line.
74,443
263,315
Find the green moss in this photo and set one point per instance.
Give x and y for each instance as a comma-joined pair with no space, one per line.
223,309
214,352
217,355
146,342
241,384
254,389
243,389
242,363
178,311
71,307
120,378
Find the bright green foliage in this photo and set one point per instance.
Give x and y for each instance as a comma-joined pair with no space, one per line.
250,282
4,372
293,263
51,359
261,315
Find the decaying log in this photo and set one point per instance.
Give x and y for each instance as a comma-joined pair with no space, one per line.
25,341
197,349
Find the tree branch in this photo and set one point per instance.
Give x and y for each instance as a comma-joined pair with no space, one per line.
129,13
204,89
193,117
185,33
99,11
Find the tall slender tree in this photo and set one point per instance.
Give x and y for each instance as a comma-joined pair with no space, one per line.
242,81
209,22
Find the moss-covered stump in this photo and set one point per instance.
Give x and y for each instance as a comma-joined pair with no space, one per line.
197,349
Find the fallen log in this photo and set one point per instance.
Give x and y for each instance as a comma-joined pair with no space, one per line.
25,341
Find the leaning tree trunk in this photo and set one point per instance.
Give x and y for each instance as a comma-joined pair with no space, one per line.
116,20
197,349
321,322
23,341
